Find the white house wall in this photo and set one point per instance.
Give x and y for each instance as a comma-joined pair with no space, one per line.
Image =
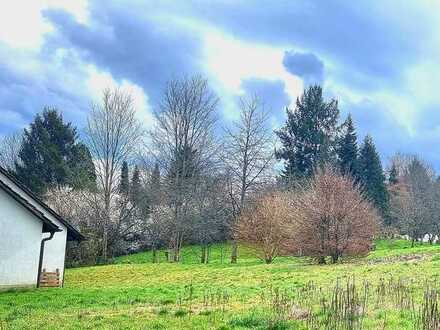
55,249
20,239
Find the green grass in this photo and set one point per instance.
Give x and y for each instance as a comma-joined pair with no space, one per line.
133,293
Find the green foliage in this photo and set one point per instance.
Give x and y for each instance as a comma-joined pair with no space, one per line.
135,186
50,155
308,136
154,185
183,166
82,168
124,183
180,313
347,149
371,176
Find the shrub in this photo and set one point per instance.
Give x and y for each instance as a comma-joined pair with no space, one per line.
332,218
263,225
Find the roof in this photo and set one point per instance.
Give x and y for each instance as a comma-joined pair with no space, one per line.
48,225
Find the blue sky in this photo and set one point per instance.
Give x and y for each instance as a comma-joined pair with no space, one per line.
378,58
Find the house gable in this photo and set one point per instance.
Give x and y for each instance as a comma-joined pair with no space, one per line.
14,187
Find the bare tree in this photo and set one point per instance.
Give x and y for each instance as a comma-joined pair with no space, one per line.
211,214
332,218
183,144
84,210
9,149
264,224
112,134
153,209
414,202
248,155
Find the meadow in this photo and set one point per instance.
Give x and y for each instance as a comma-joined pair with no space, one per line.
394,287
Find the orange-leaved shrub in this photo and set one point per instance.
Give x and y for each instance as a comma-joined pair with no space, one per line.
263,225
327,217
332,218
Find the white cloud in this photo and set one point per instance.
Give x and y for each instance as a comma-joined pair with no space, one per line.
22,24
230,61
99,80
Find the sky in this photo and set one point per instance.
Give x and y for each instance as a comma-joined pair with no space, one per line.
378,58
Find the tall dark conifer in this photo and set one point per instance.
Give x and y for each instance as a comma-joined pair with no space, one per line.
155,185
82,168
347,148
371,176
135,187
124,183
50,155
308,136
393,177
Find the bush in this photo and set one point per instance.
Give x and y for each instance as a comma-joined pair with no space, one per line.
332,218
263,225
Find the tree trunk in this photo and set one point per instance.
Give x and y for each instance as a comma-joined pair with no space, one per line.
203,258
176,254
104,244
107,201
177,249
168,255
321,260
154,255
268,260
234,252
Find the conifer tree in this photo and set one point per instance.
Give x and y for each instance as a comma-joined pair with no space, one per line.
347,148
309,134
135,187
155,185
371,176
50,155
124,184
393,177
82,168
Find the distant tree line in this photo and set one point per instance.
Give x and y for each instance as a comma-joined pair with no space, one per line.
188,180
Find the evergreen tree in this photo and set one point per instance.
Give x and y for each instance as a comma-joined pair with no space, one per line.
124,184
82,168
155,185
308,137
371,176
135,188
50,155
347,148
393,177
183,166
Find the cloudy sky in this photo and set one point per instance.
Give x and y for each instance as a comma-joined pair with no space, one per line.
380,59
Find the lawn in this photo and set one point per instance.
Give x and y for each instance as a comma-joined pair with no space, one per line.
384,290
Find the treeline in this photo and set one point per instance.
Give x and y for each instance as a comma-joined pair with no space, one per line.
190,180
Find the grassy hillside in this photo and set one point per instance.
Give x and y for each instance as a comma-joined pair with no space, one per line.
385,289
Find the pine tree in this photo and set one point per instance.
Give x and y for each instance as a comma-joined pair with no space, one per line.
393,177
124,184
371,176
50,155
82,168
308,137
347,148
135,187
155,185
